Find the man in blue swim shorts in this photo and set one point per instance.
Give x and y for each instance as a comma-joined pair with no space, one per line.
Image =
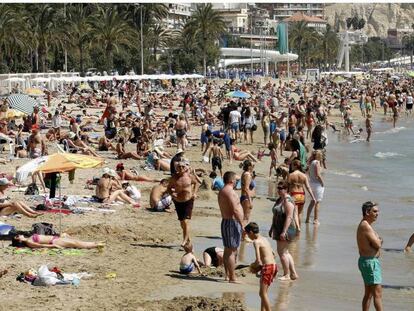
369,246
231,224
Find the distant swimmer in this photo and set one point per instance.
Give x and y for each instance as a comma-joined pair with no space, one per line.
369,246
410,243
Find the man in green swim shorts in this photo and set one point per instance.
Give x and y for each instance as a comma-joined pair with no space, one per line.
369,246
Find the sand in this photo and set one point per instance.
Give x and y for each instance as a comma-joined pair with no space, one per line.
142,250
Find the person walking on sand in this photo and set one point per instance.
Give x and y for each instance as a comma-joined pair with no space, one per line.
369,246
264,259
231,224
183,188
297,182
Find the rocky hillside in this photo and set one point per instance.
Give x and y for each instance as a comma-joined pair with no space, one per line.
379,17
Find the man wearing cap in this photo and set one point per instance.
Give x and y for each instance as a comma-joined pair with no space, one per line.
183,189
8,207
36,146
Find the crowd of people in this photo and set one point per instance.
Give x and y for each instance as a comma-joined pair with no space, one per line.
294,118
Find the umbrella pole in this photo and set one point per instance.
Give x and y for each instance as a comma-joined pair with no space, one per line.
60,203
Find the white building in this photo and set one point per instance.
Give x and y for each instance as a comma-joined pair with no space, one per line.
178,14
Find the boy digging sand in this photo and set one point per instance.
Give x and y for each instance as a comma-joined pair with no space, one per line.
188,261
264,260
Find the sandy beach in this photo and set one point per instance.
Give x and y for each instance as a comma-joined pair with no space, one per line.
138,269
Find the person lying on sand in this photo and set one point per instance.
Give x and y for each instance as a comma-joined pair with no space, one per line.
8,207
125,174
213,256
53,241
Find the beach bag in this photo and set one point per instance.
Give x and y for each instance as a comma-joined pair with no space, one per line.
32,189
43,228
254,127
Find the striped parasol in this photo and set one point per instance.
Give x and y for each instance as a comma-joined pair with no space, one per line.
22,102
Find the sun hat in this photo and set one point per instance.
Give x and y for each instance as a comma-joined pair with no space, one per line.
179,150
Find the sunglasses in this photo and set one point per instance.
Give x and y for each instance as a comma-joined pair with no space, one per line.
281,188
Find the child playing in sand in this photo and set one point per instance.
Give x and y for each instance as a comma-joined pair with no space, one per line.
188,261
264,260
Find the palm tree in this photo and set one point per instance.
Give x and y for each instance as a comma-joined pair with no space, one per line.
329,42
41,22
297,36
7,26
111,31
206,25
160,37
77,29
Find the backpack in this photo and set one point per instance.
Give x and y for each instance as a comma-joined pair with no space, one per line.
43,228
32,189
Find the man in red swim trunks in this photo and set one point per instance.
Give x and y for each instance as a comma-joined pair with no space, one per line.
265,259
297,182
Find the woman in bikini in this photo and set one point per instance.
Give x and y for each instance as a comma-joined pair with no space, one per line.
310,121
53,241
246,197
241,155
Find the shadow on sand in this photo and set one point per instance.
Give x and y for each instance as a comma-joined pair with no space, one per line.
177,275
155,245
398,287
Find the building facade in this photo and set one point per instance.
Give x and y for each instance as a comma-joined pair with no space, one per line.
280,11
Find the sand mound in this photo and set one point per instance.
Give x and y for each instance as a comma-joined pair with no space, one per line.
194,304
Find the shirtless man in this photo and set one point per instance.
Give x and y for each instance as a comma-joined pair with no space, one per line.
369,245
36,146
216,160
231,224
104,190
181,131
183,188
265,259
297,182
160,200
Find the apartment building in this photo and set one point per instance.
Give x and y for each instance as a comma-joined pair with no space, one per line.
178,14
280,11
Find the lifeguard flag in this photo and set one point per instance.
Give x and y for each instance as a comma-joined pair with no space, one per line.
282,38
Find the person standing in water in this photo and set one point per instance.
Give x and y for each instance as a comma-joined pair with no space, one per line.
369,246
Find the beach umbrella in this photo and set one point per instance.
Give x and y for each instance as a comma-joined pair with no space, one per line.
238,94
27,169
22,102
85,87
339,79
12,114
410,74
34,92
65,162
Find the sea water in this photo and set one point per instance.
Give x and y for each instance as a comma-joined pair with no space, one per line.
326,256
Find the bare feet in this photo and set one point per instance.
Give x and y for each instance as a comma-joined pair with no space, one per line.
407,249
294,277
307,221
235,282
285,278
316,222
